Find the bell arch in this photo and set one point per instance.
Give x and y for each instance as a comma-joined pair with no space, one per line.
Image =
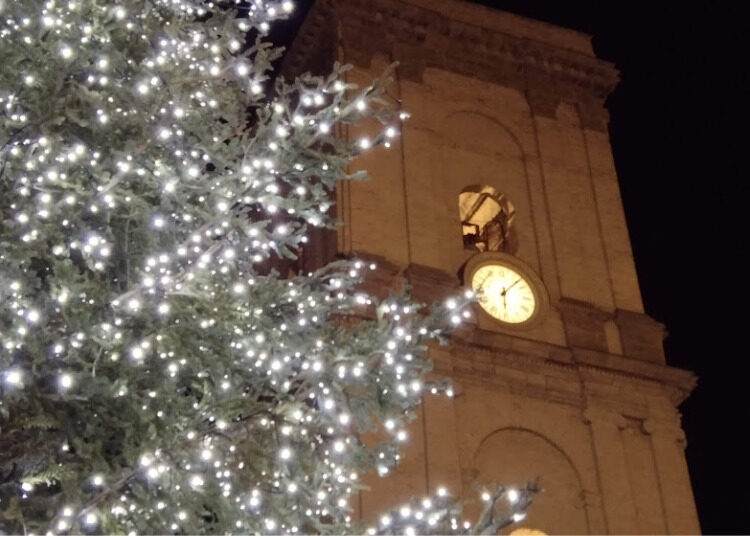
487,217
481,151
512,455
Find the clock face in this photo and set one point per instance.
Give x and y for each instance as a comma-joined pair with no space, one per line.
504,293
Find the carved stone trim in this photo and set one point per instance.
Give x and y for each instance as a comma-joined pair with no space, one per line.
542,103
665,428
421,38
555,374
604,415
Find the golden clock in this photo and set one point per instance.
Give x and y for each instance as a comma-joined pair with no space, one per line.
506,289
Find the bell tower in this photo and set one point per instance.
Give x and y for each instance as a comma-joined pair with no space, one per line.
505,166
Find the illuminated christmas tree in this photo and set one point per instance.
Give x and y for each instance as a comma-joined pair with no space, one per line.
156,374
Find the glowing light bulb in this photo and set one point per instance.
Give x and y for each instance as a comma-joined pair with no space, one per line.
66,381
14,377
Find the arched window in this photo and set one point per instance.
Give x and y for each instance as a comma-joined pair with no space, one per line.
510,455
487,220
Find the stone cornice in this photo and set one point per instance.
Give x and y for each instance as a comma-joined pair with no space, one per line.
496,20
488,356
420,38
574,364
485,353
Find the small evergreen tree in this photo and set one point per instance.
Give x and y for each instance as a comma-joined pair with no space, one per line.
155,376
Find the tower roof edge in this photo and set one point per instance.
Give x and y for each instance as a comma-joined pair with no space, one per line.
495,19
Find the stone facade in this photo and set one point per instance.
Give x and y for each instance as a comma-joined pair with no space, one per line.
583,399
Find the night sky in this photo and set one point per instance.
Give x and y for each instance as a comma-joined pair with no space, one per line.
679,128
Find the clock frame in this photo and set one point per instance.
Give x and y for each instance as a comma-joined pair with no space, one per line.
509,262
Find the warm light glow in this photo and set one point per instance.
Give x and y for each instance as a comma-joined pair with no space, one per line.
504,293
525,531
486,219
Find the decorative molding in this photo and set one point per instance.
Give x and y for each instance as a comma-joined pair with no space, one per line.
598,415
571,375
420,38
541,102
571,381
662,428
475,344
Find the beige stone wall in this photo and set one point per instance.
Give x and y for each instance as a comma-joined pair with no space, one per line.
464,131
598,474
583,400
559,176
606,448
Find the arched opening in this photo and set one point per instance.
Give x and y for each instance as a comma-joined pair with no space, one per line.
514,455
487,220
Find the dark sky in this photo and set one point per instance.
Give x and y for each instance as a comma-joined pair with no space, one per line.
679,128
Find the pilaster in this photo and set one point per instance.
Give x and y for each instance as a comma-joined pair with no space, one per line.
612,467
668,443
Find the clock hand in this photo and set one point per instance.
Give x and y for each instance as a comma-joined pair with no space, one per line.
510,287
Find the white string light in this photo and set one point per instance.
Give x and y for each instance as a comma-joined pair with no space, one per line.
141,211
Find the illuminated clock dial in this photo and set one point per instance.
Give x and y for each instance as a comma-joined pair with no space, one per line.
504,293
